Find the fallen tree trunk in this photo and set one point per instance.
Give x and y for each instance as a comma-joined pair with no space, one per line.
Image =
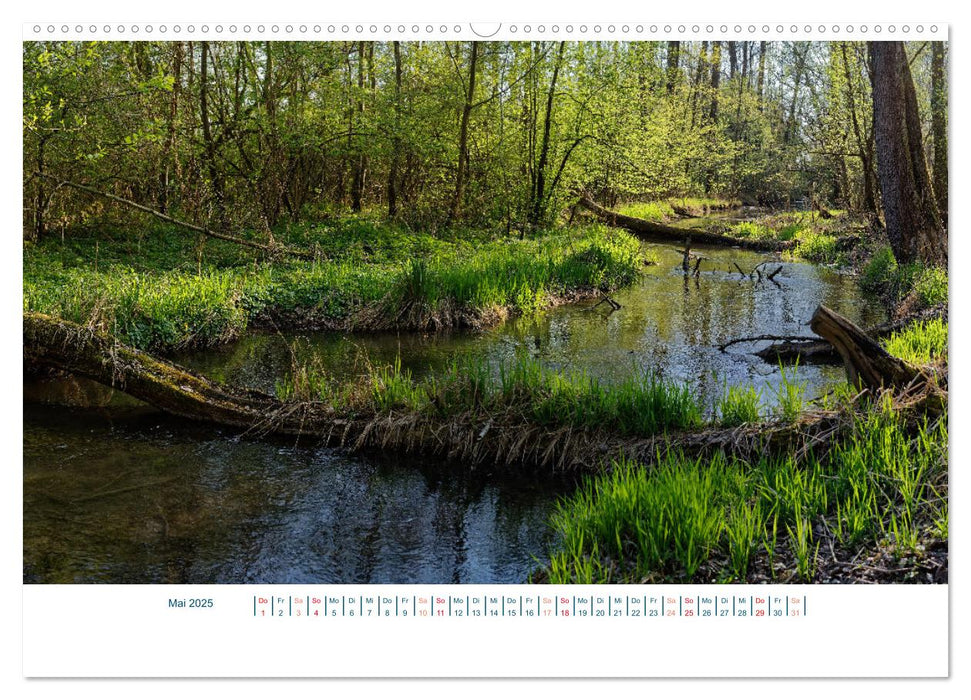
651,230
823,353
470,438
272,249
867,364
59,344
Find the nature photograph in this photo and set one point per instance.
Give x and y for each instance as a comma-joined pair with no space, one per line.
485,312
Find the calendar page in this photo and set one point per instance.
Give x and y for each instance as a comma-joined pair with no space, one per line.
416,348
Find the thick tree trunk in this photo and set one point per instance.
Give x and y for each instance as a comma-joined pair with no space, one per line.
467,439
813,351
652,230
910,209
51,342
939,126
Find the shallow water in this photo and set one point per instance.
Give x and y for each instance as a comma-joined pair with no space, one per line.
127,496
124,494
669,324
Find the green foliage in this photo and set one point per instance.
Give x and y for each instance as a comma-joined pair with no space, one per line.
672,520
650,211
818,247
790,394
880,271
158,307
925,286
921,342
640,405
738,405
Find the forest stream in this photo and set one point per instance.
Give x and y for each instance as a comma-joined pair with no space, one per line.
117,492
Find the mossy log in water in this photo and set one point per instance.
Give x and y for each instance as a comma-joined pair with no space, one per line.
472,437
653,231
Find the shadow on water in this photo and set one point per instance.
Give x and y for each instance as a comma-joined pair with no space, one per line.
119,493
132,496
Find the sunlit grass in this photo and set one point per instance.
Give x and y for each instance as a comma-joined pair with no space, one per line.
920,342
158,307
879,484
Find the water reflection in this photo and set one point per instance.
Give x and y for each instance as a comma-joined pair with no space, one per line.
140,499
122,494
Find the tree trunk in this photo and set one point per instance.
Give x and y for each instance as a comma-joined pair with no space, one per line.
866,363
396,138
538,205
939,126
192,227
215,174
716,59
170,157
863,144
457,198
674,56
360,163
654,231
761,82
910,209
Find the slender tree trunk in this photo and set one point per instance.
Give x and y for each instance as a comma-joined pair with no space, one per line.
460,177
215,174
761,82
396,138
939,125
674,56
538,209
716,59
799,61
360,163
732,59
869,194
746,51
910,210
170,157
699,78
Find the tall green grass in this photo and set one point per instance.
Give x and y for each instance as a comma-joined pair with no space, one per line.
640,405
158,307
712,517
920,342
926,285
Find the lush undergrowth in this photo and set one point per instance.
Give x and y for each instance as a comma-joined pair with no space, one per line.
882,485
912,287
718,518
640,405
162,291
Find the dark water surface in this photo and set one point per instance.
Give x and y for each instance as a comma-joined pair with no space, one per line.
122,493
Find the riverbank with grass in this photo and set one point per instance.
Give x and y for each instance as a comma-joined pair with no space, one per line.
869,503
162,291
